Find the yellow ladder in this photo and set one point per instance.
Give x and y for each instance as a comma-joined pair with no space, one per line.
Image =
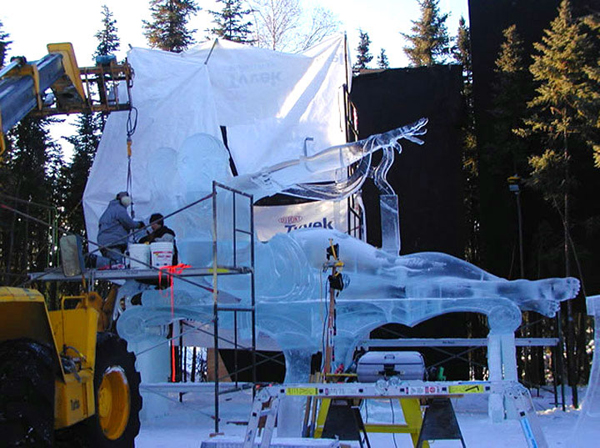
411,409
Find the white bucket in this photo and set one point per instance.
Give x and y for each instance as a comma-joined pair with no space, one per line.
162,254
139,254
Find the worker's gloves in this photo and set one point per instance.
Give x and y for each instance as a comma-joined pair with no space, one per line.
141,224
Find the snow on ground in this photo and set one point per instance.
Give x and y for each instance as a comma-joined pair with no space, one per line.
187,424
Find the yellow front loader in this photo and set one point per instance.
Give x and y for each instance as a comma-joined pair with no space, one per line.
58,372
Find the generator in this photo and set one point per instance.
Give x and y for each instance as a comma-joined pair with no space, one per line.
373,366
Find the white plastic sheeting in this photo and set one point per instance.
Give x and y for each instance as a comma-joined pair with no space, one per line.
275,106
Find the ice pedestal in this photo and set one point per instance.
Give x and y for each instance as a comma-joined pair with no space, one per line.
588,424
390,225
153,360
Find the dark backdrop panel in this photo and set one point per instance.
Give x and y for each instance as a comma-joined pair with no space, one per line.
428,178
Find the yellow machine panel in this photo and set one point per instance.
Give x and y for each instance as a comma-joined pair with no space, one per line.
75,331
74,399
69,89
24,315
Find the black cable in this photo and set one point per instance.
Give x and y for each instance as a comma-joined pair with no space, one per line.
132,124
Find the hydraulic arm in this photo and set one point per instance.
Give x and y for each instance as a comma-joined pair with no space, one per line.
24,87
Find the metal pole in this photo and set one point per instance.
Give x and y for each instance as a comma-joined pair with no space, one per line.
235,346
252,292
215,309
560,357
330,327
518,194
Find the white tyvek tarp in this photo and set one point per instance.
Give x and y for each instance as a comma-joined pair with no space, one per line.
270,103
271,220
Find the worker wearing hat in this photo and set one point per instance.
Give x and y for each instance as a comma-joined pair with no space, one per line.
114,227
160,233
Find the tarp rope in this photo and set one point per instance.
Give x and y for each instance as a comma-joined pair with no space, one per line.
177,269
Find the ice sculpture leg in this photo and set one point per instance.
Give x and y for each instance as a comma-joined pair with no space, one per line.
390,225
291,409
153,364
588,424
503,321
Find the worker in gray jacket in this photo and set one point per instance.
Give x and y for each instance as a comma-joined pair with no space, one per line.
114,227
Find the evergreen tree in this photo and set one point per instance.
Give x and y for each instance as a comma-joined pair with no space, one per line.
461,53
470,158
565,112
567,100
168,31
429,41
108,40
230,22
512,89
382,60
34,163
73,177
363,56
4,44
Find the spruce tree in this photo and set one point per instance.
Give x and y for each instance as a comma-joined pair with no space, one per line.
512,89
168,31
230,22
4,44
470,158
382,60
565,114
363,57
429,43
461,53
73,176
108,40
564,110
34,163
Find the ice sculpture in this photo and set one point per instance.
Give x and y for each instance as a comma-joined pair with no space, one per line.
301,177
291,287
290,284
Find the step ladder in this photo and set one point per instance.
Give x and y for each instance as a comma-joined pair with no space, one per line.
520,398
262,406
440,423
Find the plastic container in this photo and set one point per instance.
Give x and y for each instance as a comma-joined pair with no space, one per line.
139,254
162,254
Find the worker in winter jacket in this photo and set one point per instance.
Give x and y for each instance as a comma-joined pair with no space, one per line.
114,226
160,233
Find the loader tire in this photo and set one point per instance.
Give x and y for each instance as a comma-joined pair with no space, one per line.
27,376
116,422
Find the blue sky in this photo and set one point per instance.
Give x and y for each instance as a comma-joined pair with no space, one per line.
34,23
